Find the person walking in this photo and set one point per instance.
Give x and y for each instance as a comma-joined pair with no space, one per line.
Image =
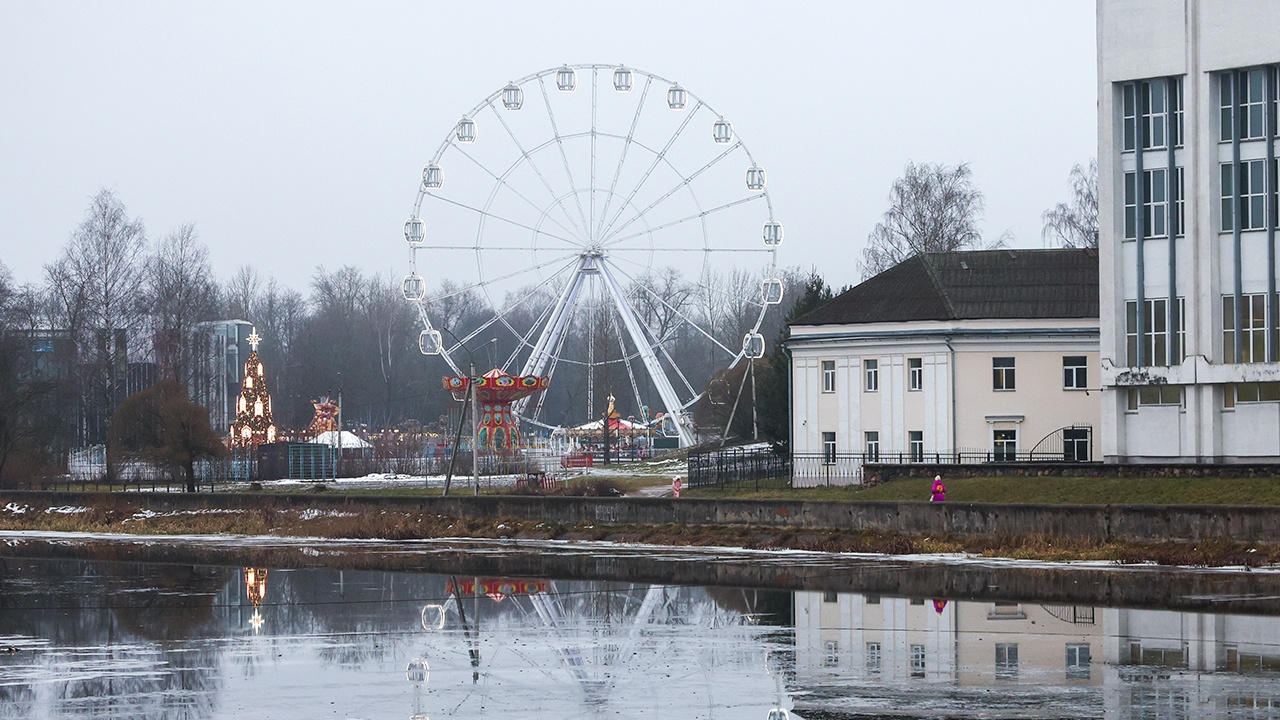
939,492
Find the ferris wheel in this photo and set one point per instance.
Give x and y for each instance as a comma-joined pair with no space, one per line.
602,225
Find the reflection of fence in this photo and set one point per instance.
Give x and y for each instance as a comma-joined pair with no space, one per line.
739,467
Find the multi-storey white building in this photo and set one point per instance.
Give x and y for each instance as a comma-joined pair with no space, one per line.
989,353
1190,333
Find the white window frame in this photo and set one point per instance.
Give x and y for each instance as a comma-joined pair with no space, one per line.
917,660
915,444
1006,660
871,375
828,448
1253,340
1004,449
1004,377
828,375
1075,372
915,374
875,658
1079,664
871,440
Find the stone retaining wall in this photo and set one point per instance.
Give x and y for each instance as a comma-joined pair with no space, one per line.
1154,523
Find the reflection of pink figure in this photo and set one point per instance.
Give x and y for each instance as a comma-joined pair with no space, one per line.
939,606
495,392
939,491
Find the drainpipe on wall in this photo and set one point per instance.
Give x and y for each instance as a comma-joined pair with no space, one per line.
952,362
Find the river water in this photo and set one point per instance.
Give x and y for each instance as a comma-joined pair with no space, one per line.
233,628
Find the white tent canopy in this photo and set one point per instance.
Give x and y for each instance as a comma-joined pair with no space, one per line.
344,440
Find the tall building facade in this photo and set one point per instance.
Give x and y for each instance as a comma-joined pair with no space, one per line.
1187,135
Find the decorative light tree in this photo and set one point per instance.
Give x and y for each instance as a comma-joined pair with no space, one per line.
254,424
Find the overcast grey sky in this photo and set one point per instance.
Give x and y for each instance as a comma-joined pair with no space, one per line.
292,134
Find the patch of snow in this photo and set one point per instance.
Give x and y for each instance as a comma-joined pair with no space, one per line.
67,510
312,514
16,509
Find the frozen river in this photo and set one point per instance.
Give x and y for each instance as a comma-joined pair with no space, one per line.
235,628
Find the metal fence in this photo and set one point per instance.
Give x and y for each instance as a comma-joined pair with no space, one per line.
739,468
762,468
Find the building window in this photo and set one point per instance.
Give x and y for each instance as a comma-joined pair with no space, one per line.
917,661
1154,395
1253,328
1075,372
829,448
1252,96
873,658
1155,195
1156,333
1252,186
915,442
1144,104
1075,445
828,376
1005,445
1006,660
1078,657
1254,392
832,656
829,596
915,373
871,370
873,446
1002,373
873,599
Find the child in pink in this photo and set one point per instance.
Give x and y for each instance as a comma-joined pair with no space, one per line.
939,490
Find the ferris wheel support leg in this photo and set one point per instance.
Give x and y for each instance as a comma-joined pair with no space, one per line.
555,327
659,377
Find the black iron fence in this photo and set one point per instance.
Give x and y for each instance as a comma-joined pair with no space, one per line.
739,468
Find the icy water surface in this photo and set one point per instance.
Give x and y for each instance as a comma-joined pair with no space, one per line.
157,639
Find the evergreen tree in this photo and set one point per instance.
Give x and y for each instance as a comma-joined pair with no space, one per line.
772,378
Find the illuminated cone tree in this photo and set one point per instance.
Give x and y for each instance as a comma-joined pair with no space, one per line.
254,424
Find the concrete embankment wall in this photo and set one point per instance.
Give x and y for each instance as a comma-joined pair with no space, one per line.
1086,522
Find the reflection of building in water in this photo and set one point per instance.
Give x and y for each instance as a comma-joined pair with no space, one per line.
1113,663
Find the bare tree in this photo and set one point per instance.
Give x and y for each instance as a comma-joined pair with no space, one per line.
180,294
1074,224
242,293
932,208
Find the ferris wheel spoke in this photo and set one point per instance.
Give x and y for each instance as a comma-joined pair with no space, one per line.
697,216
692,323
657,160
679,373
555,131
591,199
626,360
487,214
484,212
508,308
682,184
626,146
528,157
508,276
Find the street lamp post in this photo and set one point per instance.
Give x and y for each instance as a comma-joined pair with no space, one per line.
475,431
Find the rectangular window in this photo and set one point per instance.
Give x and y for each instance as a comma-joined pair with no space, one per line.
917,661
915,442
1154,395
1078,659
1156,334
1249,88
873,658
1075,372
1004,445
1155,204
1255,392
1253,329
915,373
1143,106
1002,373
828,376
1075,445
832,656
1006,660
871,371
829,596
873,446
1251,182
829,448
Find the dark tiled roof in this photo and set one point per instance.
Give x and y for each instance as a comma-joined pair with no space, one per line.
971,285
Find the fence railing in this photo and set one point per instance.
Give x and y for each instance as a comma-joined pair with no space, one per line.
762,468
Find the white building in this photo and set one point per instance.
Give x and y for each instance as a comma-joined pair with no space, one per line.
1187,230
987,353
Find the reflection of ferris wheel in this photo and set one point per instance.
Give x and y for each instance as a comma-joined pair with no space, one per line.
595,212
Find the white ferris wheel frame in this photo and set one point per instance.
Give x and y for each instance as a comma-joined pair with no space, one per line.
591,254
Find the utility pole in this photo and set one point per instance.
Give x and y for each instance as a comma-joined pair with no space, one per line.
475,431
